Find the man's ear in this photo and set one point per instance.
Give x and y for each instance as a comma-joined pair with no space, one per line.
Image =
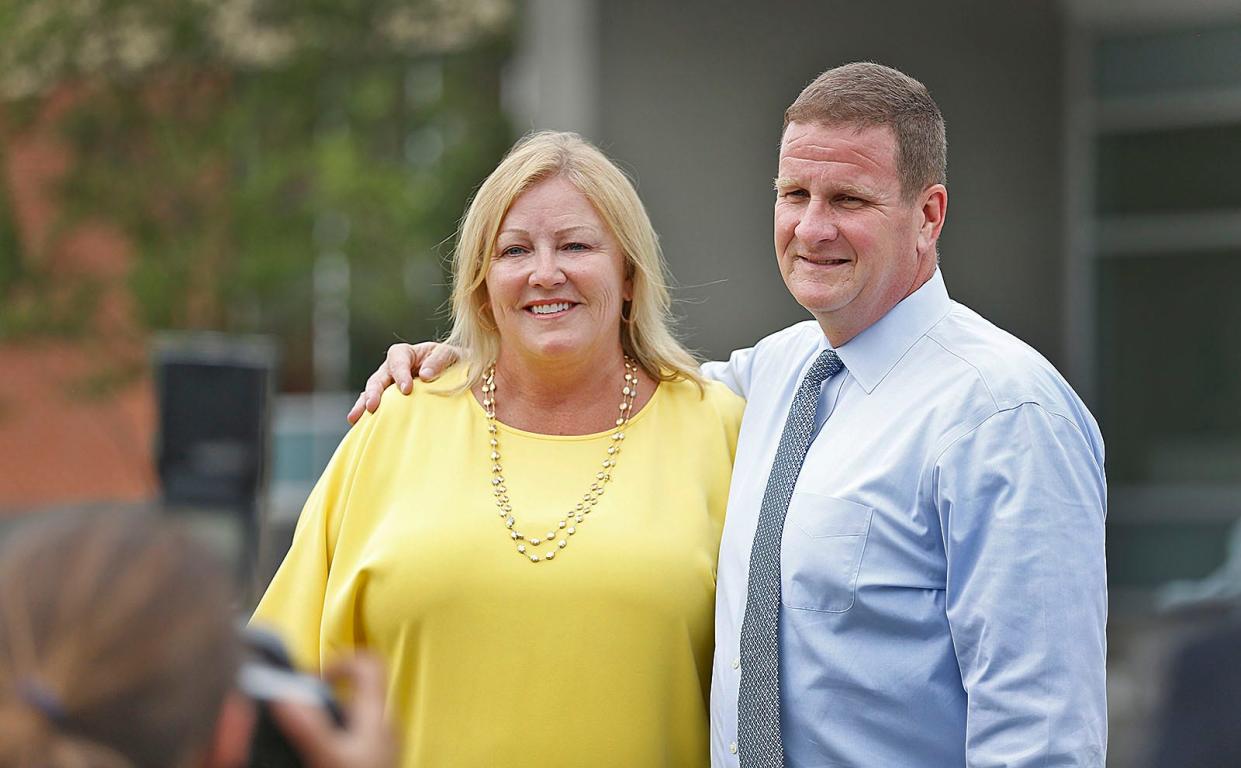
230,743
933,209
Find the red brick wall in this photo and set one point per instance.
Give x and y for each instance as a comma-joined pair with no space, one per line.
61,440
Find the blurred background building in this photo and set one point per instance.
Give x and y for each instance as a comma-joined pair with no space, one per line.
297,169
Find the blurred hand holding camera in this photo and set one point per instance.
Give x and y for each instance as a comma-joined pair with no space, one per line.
365,740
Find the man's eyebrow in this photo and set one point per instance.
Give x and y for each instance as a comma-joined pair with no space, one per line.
852,190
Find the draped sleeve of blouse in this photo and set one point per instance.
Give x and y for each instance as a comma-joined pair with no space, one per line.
600,657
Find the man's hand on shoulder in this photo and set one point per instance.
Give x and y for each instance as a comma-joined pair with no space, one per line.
429,359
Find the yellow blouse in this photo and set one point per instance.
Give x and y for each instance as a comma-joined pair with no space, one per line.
601,657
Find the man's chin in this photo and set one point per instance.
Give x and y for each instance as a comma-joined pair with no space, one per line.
819,299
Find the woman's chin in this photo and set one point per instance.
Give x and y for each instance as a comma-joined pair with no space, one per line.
551,351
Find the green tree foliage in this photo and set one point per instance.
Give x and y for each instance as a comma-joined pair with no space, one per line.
235,143
10,264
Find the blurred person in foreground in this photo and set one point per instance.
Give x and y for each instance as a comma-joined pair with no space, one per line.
530,543
1199,724
118,649
937,595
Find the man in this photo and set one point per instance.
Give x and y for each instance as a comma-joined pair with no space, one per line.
912,568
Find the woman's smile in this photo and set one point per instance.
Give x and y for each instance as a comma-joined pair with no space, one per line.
550,309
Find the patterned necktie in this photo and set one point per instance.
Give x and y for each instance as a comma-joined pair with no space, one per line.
758,704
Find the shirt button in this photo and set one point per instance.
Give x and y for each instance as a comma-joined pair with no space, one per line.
737,663
733,747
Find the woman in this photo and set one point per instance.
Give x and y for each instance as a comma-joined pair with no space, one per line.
118,650
530,542
116,647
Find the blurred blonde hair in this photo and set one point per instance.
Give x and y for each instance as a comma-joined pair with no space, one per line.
116,644
646,334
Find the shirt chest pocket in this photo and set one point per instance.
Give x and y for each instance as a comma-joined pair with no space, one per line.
824,538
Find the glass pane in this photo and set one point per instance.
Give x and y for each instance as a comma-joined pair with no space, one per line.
1131,65
1169,357
1188,169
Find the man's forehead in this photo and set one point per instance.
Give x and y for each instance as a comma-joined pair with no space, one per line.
797,128
870,150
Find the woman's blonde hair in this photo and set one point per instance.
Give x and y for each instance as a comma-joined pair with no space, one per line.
116,644
646,334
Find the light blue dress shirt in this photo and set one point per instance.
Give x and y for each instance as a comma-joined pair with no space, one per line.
944,590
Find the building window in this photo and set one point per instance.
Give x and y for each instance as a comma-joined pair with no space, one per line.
1155,241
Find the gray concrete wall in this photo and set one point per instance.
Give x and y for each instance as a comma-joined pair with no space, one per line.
691,101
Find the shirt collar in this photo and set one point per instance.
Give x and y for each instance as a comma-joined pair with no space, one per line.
871,354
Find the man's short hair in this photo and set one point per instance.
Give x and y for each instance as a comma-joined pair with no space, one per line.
864,95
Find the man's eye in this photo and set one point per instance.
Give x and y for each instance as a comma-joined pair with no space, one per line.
798,193
850,201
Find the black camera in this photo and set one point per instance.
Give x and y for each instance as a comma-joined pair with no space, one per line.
267,675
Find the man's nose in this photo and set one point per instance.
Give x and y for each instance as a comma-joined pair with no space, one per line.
546,272
817,224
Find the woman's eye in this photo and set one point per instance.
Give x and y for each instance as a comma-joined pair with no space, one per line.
513,250
577,247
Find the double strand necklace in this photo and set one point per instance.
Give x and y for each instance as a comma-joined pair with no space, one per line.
557,538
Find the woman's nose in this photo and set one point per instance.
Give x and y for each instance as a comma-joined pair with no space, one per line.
546,271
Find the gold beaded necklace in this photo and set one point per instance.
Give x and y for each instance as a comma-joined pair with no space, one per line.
567,525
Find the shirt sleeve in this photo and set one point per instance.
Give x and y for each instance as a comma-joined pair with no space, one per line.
293,605
735,373
1021,500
